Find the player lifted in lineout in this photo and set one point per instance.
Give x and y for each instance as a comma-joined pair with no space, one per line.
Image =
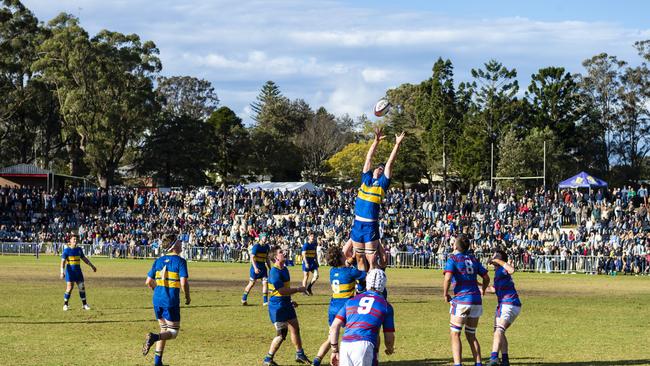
374,184
168,275
71,270
461,271
508,308
259,263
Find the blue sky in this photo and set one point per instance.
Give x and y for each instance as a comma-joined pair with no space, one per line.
344,55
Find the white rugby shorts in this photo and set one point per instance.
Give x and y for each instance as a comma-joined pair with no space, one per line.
466,310
359,353
507,312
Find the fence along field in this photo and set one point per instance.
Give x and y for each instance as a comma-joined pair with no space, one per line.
568,320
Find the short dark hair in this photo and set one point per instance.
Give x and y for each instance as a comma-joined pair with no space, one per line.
462,242
168,241
274,250
501,254
333,256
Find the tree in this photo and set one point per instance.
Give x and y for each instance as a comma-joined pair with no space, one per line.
274,156
438,112
178,151
524,157
601,84
105,89
269,93
323,136
187,95
231,144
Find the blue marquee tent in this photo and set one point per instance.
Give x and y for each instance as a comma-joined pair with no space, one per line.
583,180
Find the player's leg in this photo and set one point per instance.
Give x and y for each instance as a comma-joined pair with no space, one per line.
82,294
247,290
371,253
455,328
294,330
505,316
360,255
265,291
305,276
281,330
313,281
470,333
66,296
322,351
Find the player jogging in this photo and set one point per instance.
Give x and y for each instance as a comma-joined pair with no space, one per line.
374,183
281,308
167,277
71,270
343,280
508,308
362,316
309,262
258,270
461,271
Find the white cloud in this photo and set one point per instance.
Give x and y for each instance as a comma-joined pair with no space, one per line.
373,75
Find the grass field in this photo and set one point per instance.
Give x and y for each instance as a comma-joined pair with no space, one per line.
566,319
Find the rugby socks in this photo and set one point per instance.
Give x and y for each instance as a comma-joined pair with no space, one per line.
458,364
494,356
505,361
155,337
265,298
157,359
268,358
244,296
82,295
316,361
478,364
66,298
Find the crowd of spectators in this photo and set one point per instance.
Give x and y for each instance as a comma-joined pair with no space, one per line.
611,225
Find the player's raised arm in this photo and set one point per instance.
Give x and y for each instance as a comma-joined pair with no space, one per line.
509,268
371,152
388,170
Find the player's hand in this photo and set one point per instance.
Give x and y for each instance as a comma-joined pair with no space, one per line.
94,269
400,137
378,134
334,359
389,351
188,300
257,271
447,298
294,304
62,276
490,289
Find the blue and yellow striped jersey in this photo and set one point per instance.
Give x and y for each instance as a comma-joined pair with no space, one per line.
260,252
279,278
343,281
73,257
168,271
310,250
370,195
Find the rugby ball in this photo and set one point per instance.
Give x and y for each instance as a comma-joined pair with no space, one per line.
382,107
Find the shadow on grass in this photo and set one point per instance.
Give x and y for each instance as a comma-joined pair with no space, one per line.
586,363
521,362
47,322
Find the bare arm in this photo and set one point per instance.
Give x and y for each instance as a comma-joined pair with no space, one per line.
486,283
185,285
63,268
87,261
371,152
334,340
389,338
445,286
510,269
284,291
393,154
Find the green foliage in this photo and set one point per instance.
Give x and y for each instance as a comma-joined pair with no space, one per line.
231,144
347,164
104,87
187,95
269,94
178,151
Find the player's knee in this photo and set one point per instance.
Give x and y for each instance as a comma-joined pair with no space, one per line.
173,331
500,329
470,332
359,251
455,329
282,333
81,286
